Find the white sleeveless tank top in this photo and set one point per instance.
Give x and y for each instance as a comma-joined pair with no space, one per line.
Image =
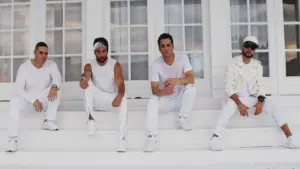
103,77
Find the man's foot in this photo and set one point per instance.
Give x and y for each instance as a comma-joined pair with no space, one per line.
150,144
291,143
12,145
215,144
122,146
50,125
91,127
183,124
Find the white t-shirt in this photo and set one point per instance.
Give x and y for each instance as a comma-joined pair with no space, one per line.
31,81
160,71
103,77
246,74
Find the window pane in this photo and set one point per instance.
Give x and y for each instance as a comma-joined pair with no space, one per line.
54,41
176,32
197,62
59,63
5,72
118,13
238,33
291,10
139,67
123,60
292,63
258,11
119,40
5,17
73,68
138,12
54,15
5,43
193,38
238,10
21,43
292,36
73,42
192,11
21,0
261,32
73,14
21,17
263,57
139,39
16,64
173,12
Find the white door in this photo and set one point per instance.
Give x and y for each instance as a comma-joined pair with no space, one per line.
133,27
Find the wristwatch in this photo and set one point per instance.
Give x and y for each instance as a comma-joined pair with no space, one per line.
261,98
55,86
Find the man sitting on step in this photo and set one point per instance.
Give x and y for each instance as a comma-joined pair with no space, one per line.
104,88
244,88
37,86
178,94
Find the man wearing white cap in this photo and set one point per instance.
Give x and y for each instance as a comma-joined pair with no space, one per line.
245,90
104,89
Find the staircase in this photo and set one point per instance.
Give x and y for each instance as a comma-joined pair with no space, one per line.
252,142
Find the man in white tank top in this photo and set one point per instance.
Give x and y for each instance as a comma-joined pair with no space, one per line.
104,88
174,72
37,89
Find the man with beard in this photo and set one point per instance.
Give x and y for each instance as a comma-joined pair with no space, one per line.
245,90
37,86
104,89
177,92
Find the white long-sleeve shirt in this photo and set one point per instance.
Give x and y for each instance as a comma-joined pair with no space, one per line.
31,81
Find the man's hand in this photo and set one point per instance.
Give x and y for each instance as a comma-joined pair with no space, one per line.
243,110
259,107
168,89
171,81
84,83
38,106
52,96
117,101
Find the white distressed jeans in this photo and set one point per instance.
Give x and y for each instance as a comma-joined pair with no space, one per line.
182,103
231,108
19,104
100,100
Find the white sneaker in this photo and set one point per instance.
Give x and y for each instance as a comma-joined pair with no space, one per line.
122,146
150,144
183,124
12,145
50,125
291,143
215,144
91,127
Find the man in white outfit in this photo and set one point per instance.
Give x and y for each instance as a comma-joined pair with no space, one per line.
245,90
104,89
174,72
37,88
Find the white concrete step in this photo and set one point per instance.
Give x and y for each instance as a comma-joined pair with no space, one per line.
230,159
202,119
169,140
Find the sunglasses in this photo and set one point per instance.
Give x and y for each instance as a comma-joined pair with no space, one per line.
251,45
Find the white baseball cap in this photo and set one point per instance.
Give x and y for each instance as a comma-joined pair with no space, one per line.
252,39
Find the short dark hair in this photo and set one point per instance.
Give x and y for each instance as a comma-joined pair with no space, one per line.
165,36
40,44
101,40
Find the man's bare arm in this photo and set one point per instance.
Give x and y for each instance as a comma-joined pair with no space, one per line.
119,79
188,79
236,99
159,92
87,74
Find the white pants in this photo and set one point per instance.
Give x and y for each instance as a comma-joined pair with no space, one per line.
231,108
183,103
100,100
18,104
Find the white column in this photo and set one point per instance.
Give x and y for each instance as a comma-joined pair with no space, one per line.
220,33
